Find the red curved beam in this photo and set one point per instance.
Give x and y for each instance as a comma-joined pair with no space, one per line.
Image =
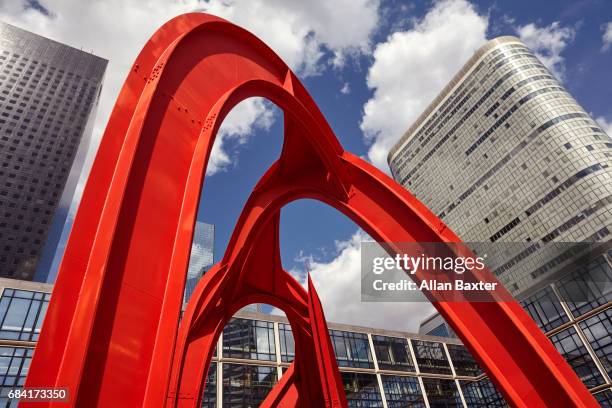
110,334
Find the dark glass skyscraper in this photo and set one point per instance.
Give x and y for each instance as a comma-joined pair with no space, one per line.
48,97
202,255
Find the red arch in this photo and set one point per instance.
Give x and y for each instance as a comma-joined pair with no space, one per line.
111,330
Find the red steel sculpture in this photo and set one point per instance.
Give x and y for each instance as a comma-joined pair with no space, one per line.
112,333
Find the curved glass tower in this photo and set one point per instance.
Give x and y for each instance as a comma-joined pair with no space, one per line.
505,155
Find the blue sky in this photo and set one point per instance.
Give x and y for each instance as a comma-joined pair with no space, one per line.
371,66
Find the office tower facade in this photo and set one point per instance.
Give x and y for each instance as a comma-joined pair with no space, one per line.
48,97
202,256
504,154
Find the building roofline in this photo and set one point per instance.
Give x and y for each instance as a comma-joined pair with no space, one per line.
478,54
246,314
78,50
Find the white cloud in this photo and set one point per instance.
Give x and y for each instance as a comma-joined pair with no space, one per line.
607,36
346,89
301,33
605,124
238,125
338,284
548,43
411,67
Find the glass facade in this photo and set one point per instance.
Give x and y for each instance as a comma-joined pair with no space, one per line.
352,349
247,385
463,362
22,313
249,339
524,162
402,391
201,257
14,364
49,93
377,369
287,344
440,331
598,332
431,357
571,347
362,390
604,398
482,394
442,393
591,283
392,353
545,309
209,398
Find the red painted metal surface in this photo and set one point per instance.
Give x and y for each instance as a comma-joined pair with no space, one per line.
112,331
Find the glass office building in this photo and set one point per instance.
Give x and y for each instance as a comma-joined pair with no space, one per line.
201,257
48,98
379,368
505,154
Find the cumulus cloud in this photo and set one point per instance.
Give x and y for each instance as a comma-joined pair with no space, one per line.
605,124
338,283
607,36
548,43
411,67
301,33
254,113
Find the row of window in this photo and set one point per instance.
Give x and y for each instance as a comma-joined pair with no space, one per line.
404,156
22,313
255,340
504,160
248,385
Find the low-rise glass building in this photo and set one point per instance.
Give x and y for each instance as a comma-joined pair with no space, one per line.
379,368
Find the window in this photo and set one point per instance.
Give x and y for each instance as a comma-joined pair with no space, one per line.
249,339
402,391
352,349
482,394
209,398
463,361
22,313
442,393
575,353
545,309
587,287
247,385
597,330
392,353
287,343
604,398
361,390
431,357
14,364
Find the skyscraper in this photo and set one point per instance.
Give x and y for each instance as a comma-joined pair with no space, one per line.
505,154
48,96
202,255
